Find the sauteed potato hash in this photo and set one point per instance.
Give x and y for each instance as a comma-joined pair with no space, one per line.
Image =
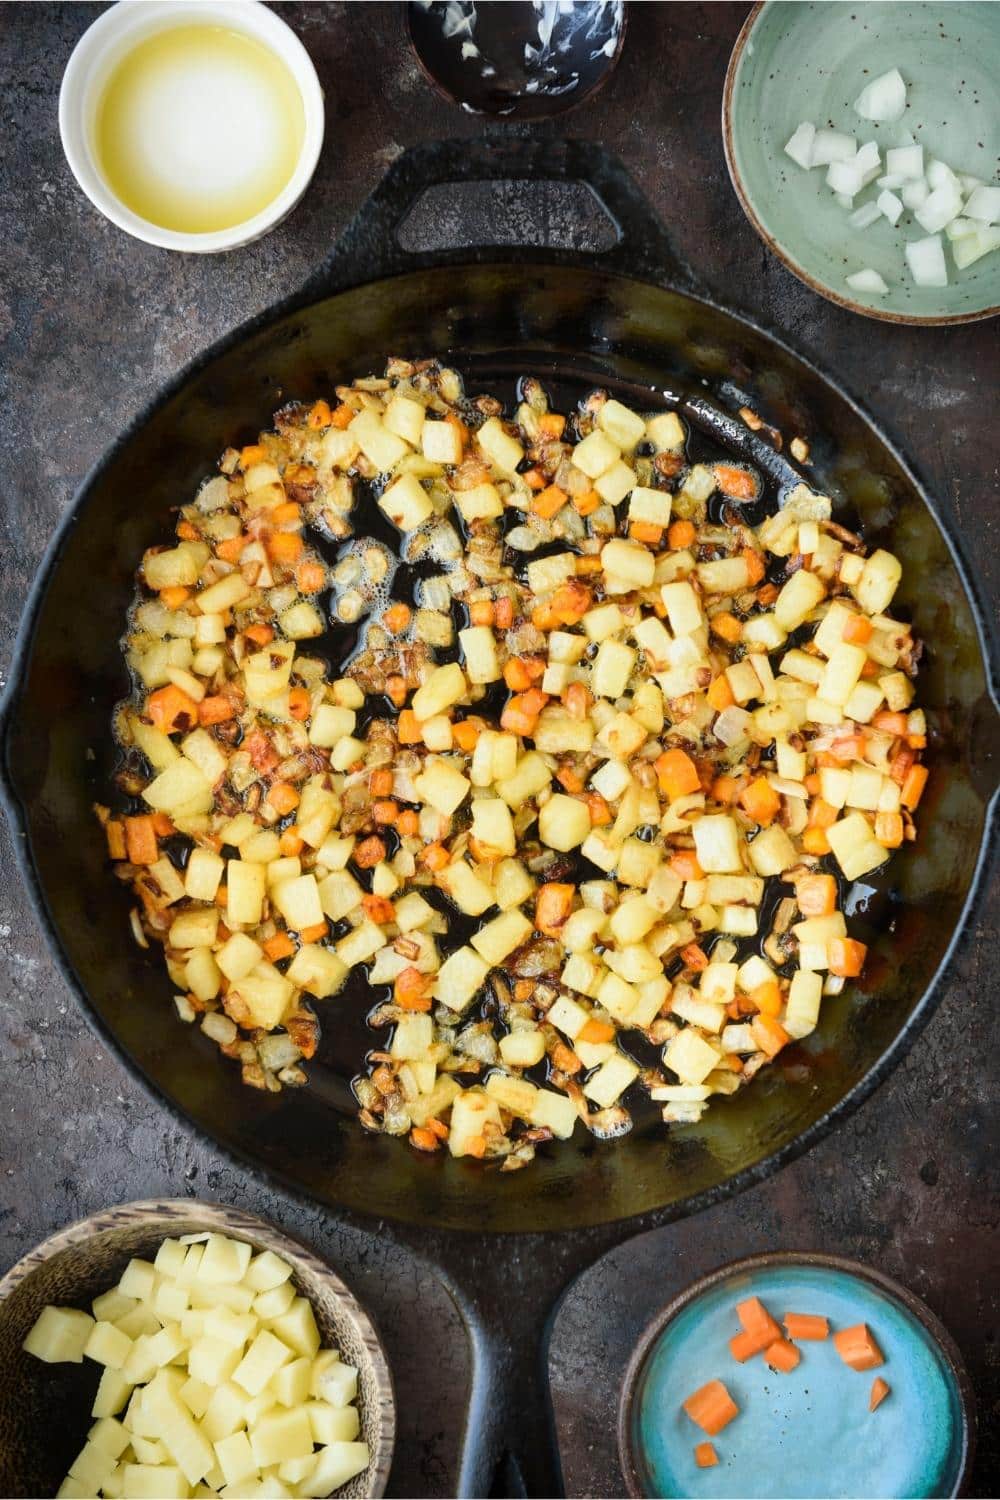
592,793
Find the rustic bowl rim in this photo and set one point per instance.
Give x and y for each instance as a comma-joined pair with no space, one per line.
747,1265
879,314
223,1218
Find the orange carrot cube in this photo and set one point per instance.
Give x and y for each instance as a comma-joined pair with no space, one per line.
816,895
857,1347
677,774
847,957
781,1355
806,1326
769,1034
711,1408
880,1389
857,630
760,801
553,904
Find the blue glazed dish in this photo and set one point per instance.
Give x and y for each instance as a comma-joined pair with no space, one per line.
809,1433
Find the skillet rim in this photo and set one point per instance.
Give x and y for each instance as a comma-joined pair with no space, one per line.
302,302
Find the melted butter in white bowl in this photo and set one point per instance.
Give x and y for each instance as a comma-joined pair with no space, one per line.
199,128
193,126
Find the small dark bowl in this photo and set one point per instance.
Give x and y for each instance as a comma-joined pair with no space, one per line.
516,70
798,1433
45,1409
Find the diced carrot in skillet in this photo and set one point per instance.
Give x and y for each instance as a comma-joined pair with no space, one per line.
705,1456
816,895
847,957
170,709
738,484
140,841
677,774
553,904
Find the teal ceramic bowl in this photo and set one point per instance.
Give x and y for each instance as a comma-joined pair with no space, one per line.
808,1433
796,61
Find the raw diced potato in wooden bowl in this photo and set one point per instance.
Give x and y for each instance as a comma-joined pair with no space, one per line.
188,1350
582,808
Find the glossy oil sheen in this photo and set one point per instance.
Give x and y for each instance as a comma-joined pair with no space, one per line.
199,128
805,61
589,327
808,1433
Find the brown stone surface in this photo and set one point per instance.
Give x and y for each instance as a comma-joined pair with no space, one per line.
91,324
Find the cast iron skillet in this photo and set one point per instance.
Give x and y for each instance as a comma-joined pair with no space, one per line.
583,321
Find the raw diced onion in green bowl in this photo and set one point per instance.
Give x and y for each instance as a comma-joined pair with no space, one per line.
853,133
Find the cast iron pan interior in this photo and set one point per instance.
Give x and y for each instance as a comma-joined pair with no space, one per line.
581,325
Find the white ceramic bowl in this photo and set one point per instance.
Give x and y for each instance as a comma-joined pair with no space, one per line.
115,33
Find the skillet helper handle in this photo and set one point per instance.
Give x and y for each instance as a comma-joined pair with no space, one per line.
984,751
641,247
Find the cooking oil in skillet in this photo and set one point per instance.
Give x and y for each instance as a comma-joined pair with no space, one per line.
199,128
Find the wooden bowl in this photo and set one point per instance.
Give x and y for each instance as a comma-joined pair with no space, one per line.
45,1409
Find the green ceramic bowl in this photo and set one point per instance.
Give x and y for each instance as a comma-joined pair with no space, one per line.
799,61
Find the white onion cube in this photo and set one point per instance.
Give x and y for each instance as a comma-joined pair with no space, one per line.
943,204
832,145
867,281
868,162
984,203
905,161
891,206
914,194
844,177
884,98
972,247
960,229
800,144
925,259
939,174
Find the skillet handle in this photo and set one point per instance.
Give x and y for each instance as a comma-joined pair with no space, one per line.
509,1446
641,246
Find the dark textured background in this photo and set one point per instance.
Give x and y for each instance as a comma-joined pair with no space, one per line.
91,323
